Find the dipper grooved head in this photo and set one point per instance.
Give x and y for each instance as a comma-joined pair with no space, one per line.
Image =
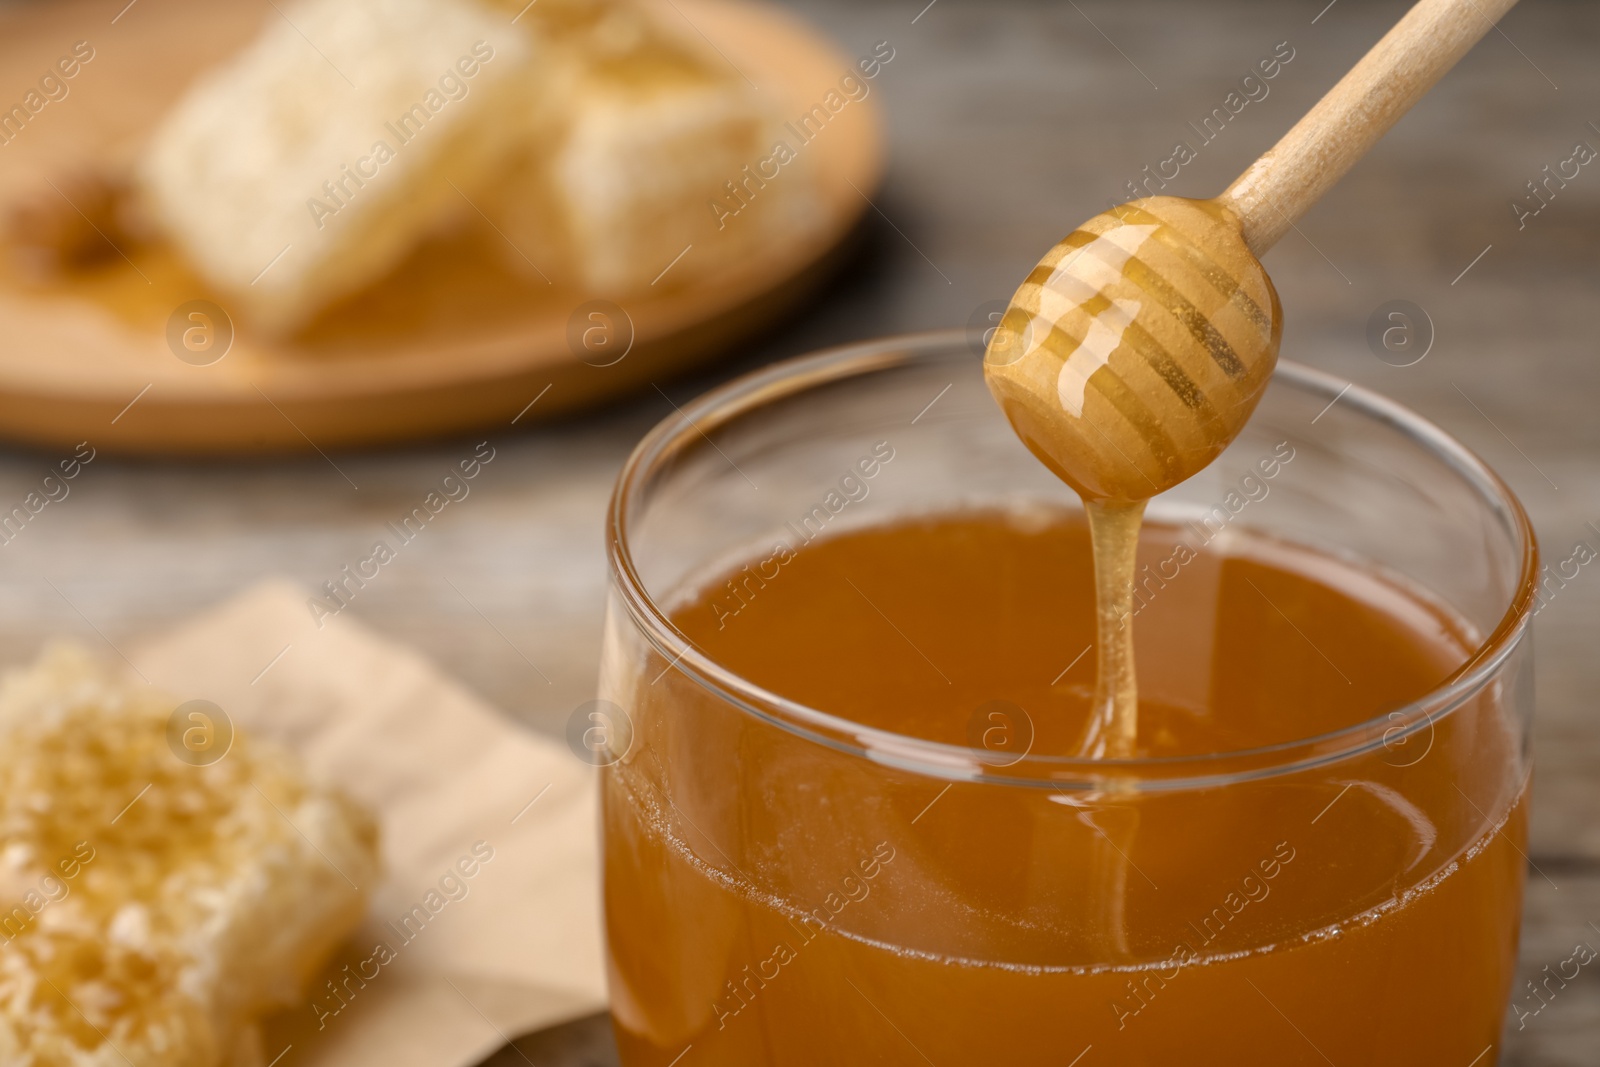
1136,350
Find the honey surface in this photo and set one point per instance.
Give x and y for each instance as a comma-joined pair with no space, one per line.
1362,893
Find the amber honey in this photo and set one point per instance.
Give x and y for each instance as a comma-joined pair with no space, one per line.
772,900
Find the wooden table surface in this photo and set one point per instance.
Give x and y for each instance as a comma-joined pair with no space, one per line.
1011,121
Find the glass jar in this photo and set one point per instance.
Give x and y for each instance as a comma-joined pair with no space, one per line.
786,886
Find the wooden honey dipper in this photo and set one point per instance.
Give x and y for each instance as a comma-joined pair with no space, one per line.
1136,350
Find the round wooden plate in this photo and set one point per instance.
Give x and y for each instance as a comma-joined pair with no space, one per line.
451,342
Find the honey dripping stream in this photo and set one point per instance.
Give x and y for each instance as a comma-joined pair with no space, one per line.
1113,729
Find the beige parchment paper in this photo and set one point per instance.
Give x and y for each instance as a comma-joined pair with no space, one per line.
444,773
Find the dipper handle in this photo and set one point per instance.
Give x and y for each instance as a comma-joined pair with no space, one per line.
1283,184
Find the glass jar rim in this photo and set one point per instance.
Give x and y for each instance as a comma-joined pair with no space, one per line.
696,420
